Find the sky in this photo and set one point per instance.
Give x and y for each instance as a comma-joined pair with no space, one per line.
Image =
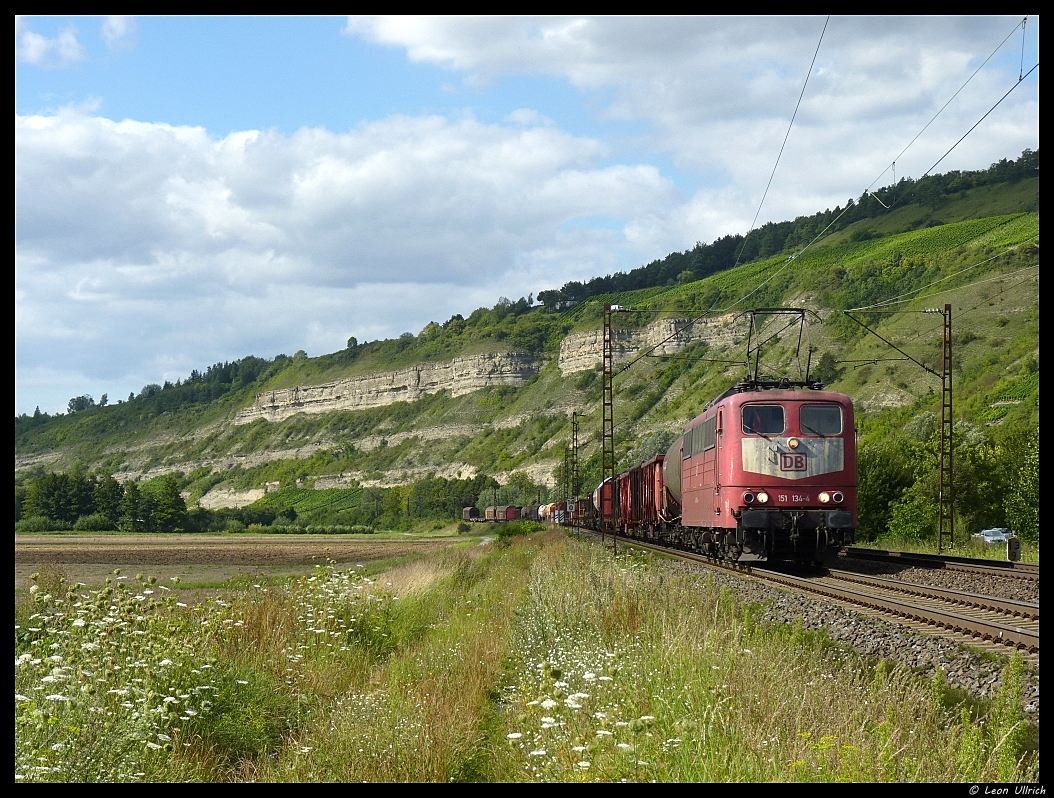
197,189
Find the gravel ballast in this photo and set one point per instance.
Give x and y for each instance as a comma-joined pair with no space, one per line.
970,670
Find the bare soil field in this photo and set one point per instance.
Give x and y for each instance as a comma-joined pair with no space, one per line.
202,558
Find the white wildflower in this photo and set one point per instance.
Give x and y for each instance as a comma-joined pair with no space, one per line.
548,703
514,735
538,752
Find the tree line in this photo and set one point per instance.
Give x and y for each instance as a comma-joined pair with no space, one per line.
773,238
76,500
98,502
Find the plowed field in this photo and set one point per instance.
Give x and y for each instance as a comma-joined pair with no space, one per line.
202,558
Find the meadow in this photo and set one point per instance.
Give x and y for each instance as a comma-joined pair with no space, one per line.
535,657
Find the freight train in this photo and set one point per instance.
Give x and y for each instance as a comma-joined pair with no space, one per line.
766,472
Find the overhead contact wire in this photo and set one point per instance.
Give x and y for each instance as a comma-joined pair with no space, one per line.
785,137
823,232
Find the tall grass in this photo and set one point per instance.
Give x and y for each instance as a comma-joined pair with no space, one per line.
422,714
628,671
540,659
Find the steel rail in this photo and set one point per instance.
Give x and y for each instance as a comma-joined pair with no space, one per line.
1008,635
1014,636
1014,570
1018,609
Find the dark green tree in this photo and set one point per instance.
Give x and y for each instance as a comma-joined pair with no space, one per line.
108,496
136,509
170,512
826,371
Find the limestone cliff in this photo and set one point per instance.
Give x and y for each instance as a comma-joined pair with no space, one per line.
459,376
584,350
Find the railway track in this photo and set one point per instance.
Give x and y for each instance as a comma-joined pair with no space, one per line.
999,621
1013,570
1011,623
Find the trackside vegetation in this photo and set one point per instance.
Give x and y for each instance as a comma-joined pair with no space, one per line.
539,658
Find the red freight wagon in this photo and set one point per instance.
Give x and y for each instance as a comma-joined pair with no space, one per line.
641,496
605,504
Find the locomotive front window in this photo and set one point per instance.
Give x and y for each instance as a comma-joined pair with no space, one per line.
820,420
764,419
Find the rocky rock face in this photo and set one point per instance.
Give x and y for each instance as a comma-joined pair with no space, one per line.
582,351
460,376
228,497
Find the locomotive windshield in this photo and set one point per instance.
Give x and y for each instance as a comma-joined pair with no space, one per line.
764,419
821,420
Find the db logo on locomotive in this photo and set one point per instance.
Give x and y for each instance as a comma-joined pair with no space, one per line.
793,462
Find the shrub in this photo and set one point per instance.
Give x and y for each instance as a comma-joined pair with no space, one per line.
35,523
234,525
519,527
96,522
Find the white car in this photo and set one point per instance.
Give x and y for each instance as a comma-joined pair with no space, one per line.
998,534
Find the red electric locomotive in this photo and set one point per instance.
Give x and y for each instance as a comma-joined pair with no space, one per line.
768,471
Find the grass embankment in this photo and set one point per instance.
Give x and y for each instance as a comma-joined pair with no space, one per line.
962,547
546,659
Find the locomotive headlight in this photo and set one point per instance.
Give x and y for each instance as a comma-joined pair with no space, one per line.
793,443
838,497
763,497
748,498
824,497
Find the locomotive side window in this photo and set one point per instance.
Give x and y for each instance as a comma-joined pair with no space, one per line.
820,420
700,438
709,433
764,419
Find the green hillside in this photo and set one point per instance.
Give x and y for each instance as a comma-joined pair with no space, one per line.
976,248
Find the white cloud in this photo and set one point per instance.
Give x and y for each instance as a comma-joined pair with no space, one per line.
117,31
718,92
32,48
134,239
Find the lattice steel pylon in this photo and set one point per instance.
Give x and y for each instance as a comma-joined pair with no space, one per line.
566,487
576,482
946,522
607,428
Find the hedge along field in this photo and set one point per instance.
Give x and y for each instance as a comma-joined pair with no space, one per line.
539,658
